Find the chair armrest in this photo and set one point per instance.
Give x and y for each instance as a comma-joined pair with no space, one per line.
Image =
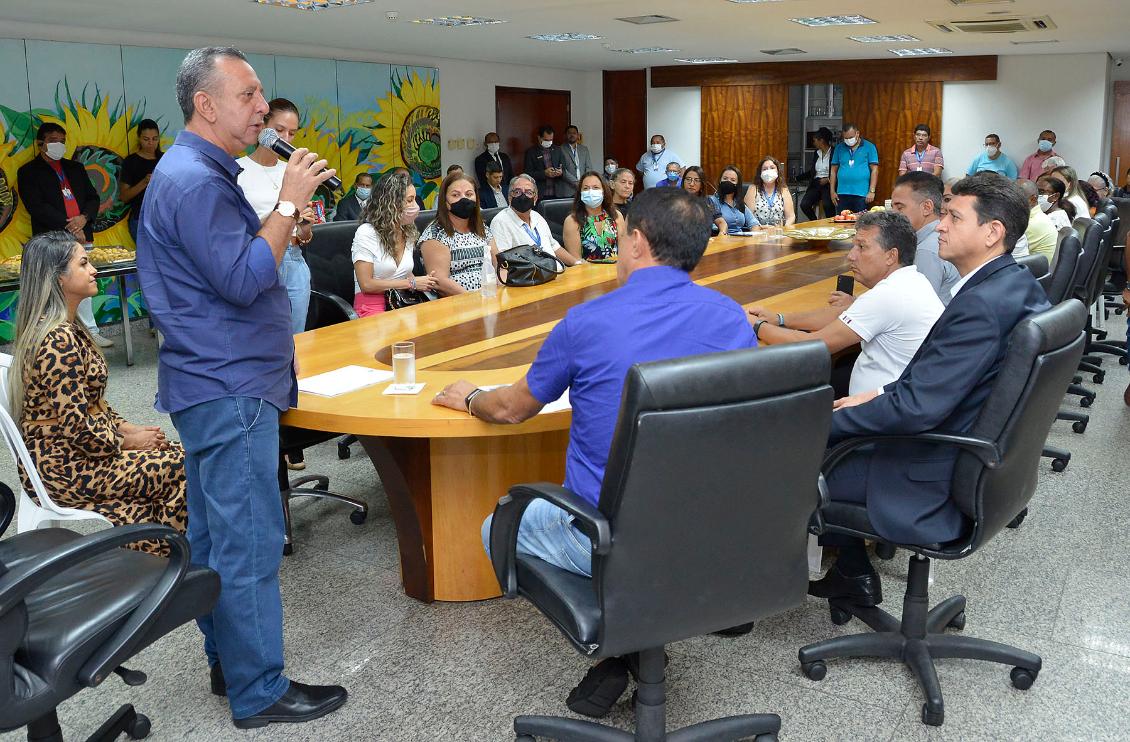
508,517
7,507
345,307
1045,281
983,449
18,583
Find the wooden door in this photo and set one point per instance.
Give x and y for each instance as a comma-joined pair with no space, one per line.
625,117
1120,134
886,114
741,124
519,112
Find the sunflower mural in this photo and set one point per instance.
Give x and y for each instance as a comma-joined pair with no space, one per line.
340,152
15,223
407,128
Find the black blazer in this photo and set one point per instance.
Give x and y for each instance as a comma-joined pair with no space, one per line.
535,166
38,187
487,199
348,209
485,159
942,389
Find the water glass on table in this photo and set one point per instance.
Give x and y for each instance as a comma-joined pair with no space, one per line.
404,362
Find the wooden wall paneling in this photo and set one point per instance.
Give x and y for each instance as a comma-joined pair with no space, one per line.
520,111
625,117
1120,136
910,69
886,113
741,124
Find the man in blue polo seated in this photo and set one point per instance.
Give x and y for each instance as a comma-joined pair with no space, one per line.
667,233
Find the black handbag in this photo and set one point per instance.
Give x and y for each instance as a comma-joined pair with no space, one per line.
400,298
527,265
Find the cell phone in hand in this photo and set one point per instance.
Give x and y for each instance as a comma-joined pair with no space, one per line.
845,283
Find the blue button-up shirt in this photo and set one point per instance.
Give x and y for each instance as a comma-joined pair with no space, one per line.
658,313
211,284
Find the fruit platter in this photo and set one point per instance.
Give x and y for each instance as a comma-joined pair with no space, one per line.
845,217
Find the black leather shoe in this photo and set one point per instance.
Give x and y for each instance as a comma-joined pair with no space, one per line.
864,590
600,688
300,703
216,676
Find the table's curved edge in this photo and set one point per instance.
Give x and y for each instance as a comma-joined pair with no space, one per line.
457,426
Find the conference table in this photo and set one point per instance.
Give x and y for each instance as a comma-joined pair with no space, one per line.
443,471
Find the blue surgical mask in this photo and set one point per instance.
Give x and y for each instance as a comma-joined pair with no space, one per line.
364,193
1045,145
592,199
672,176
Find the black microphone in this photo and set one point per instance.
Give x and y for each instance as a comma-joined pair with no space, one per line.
269,138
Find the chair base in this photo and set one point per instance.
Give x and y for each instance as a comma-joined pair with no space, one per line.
125,721
917,641
651,710
320,490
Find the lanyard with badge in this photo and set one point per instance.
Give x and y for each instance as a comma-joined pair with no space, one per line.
851,154
64,185
533,234
919,156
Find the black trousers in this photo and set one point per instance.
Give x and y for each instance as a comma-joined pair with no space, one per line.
817,194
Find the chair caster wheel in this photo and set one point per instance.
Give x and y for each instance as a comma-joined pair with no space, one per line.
1123,361
932,718
1086,401
957,622
342,452
839,615
1059,464
1079,426
1015,522
288,549
357,517
1022,678
139,728
1099,377
814,670
885,551
765,738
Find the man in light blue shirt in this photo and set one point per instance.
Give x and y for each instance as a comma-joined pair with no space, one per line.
918,197
653,163
854,171
993,160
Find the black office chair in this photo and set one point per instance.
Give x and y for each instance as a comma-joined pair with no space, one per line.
555,210
1084,288
423,219
1036,264
329,256
1114,250
489,214
73,608
693,533
994,478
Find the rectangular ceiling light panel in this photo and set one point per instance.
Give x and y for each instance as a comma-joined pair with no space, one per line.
311,4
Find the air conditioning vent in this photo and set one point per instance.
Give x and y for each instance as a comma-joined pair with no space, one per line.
782,52
647,20
995,25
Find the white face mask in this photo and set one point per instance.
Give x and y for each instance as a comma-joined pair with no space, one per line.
546,143
769,176
1044,203
610,169
851,141
656,148
55,150
492,147
991,150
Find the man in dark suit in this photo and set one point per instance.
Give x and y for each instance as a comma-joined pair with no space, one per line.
493,195
349,208
56,191
576,161
906,486
543,163
493,154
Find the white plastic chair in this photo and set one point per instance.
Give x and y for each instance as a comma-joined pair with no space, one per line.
31,516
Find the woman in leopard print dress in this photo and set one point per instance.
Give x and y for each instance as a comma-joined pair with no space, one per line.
87,455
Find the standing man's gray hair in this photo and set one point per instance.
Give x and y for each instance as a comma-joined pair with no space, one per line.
198,72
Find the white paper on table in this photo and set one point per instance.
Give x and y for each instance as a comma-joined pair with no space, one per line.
562,403
342,380
403,388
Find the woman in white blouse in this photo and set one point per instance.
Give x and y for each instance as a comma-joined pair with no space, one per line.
382,245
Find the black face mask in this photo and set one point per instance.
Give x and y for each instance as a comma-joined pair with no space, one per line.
522,203
726,188
463,208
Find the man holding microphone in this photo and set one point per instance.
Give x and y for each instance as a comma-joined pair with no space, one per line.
208,268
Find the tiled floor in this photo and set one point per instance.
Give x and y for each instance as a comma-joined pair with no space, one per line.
1058,586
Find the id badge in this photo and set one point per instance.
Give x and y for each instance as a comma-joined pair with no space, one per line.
67,194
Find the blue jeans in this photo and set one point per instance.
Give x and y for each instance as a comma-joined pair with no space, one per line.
235,526
547,532
295,275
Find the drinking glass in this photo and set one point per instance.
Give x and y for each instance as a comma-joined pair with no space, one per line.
404,363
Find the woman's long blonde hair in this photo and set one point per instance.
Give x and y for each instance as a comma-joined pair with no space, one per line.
42,307
383,211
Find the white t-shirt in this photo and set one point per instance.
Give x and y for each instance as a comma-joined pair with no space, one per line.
892,320
1059,219
510,231
367,247
261,185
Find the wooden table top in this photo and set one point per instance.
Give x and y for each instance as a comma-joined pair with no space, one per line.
494,340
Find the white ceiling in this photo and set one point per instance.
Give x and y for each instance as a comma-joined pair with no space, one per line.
705,27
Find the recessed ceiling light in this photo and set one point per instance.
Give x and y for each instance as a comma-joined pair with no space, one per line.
1040,41
751,2
647,20
565,37
782,52
920,52
458,21
893,38
646,50
834,20
311,4
707,60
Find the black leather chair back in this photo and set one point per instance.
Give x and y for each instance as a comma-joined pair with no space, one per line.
329,255
555,210
489,214
422,221
424,218
1091,237
1122,208
1036,264
1042,355
711,479
1117,236
1058,284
